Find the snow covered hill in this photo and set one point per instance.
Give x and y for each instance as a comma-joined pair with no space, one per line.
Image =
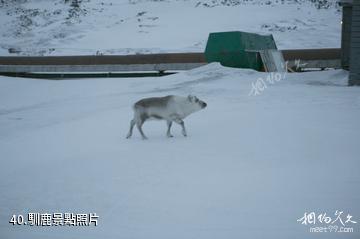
251,165
45,27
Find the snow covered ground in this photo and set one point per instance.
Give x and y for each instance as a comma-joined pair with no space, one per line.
125,27
249,168
253,162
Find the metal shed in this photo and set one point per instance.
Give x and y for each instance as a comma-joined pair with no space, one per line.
350,39
238,49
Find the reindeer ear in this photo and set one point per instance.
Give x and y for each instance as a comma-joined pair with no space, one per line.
190,97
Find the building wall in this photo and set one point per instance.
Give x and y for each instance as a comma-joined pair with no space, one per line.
354,78
346,36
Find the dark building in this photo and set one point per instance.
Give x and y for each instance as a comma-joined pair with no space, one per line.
350,39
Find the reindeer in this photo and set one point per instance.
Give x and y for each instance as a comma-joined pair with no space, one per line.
171,108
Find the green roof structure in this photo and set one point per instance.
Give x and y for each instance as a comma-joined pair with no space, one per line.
238,49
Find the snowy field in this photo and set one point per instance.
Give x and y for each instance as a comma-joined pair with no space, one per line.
45,27
253,162
249,168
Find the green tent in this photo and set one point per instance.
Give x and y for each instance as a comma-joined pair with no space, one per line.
238,49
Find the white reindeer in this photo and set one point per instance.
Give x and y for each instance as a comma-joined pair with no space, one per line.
171,108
